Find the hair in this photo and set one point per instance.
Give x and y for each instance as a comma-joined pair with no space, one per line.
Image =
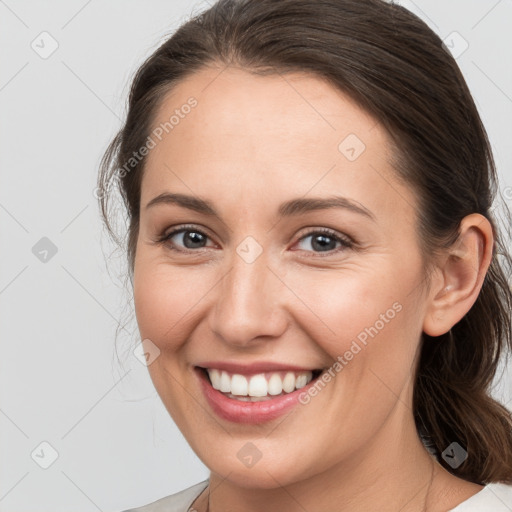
391,64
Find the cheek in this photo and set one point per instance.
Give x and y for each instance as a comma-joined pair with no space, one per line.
343,303
367,319
166,299
167,305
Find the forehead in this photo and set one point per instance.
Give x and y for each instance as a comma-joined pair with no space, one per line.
268,135
254,110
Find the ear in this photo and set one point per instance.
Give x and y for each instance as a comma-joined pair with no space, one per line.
461,271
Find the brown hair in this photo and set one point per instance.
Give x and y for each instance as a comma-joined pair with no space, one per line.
393,66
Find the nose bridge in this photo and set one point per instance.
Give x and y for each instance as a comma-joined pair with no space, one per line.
247,298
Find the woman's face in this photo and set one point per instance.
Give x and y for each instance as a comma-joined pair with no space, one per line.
253,285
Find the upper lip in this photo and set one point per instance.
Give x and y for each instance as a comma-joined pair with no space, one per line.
255,367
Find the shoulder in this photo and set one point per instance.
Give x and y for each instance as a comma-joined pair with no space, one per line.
494,497
178,502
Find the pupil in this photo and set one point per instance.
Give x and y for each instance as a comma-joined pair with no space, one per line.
323,244
196,238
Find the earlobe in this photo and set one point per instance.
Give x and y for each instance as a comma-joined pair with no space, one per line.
463,270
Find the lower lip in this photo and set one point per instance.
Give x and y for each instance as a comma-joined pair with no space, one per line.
249,412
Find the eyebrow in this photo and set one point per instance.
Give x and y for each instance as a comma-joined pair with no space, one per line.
287,209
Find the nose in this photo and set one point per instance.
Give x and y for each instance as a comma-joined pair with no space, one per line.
249,304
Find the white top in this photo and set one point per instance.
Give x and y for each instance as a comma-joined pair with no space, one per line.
493,497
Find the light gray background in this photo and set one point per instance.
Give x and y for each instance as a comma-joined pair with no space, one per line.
60,380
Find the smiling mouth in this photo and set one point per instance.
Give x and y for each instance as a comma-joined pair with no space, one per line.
259,386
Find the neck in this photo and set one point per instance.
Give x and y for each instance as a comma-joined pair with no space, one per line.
392,472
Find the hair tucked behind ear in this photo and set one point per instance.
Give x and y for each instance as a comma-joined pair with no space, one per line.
451,396
390,63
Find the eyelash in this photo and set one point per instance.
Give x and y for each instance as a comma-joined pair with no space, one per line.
346,242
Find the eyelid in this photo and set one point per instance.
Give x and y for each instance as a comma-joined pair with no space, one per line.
311,230
184,227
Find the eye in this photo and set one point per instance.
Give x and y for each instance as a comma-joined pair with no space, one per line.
325,240
188,237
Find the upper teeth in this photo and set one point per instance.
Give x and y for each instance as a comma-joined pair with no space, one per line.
258,385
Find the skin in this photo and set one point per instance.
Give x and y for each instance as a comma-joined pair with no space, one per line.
250,144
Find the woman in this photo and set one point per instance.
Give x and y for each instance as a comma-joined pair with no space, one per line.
314,260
